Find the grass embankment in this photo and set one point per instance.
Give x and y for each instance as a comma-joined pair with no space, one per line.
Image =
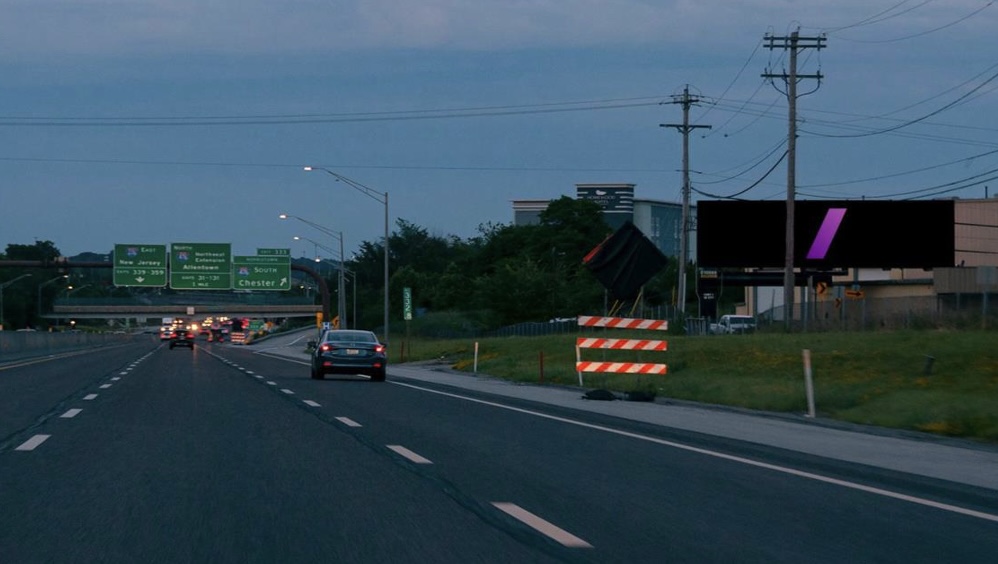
882,378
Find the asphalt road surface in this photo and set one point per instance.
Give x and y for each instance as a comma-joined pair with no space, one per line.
229,453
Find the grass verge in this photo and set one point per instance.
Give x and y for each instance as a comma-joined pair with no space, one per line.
941,382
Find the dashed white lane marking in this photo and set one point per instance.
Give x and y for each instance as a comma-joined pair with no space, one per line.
71,413
258,377
544,527
115,379
287,391
33,442
125,373
311,403
249,372
348,422
409,454
729,457
89,397
105,386
269,383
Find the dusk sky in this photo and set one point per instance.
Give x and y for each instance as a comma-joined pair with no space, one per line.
160,121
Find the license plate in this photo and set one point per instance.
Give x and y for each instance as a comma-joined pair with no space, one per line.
353,351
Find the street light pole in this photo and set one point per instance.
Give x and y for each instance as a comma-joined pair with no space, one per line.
341,307
381,197
42,285
353,277
2,286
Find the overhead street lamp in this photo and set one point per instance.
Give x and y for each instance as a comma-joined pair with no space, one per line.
341,307
46,283
381,197
353,275
2,286
71,289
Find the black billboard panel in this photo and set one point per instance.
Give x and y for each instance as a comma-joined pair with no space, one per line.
827,234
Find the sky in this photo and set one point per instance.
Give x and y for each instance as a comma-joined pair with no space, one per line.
162,121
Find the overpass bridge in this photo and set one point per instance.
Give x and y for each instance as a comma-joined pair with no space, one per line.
187,305
183,303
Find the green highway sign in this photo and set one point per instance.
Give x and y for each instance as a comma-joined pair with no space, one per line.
267,272
201,266
274,252
139,265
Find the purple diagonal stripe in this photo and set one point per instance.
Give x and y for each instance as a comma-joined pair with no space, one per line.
823,240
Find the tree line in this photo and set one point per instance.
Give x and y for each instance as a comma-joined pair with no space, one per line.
503,275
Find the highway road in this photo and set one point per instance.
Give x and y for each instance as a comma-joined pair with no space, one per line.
138,453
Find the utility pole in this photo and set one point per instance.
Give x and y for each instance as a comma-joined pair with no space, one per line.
685,128
794,43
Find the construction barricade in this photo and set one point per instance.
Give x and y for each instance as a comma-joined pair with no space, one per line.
620,344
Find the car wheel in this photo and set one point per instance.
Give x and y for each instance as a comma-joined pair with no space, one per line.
171,346
378,376
316,375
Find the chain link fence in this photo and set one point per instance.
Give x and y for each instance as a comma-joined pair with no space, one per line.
956,311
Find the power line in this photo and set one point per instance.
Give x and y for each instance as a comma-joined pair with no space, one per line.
928,31
299,119
350,166
879,17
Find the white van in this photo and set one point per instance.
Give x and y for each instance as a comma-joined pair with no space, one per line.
730,324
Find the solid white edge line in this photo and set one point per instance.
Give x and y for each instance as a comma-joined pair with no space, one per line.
348,422
409,454
546,528
732,458
71,413
33,442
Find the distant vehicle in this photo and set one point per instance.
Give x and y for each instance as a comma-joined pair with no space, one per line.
731,324
165,333
349,351
182,338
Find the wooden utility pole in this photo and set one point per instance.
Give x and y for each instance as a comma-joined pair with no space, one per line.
685,128
794,43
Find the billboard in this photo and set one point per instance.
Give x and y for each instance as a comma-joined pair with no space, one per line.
827,234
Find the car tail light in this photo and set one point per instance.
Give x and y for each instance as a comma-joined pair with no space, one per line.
326,347
379,348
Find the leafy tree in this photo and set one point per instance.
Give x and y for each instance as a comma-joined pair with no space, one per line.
44,251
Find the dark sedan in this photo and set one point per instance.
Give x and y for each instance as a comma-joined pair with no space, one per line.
182,338
349,351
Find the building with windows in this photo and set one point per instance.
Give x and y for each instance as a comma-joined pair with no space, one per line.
658,220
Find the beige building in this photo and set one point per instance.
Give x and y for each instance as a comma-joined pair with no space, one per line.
972,281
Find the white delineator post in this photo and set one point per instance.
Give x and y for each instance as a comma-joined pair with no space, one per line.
808,383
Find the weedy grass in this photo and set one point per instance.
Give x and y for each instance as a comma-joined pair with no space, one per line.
942,382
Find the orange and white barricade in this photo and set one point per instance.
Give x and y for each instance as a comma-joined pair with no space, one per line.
620,344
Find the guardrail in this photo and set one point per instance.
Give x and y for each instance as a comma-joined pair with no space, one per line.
16,345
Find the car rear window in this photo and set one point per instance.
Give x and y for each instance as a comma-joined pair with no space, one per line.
351,337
